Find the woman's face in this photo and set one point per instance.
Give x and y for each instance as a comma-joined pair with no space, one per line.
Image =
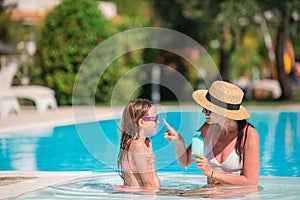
212,118
149,123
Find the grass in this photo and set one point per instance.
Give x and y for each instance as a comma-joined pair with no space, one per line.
272,102
267,102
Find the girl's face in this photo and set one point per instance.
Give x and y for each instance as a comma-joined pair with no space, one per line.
149,123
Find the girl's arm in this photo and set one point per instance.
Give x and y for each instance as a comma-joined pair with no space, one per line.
156,179
150,180
155,176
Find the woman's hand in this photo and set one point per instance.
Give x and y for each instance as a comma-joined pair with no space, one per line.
202,164
171,134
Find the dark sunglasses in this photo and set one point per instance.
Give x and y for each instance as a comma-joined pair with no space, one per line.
150,118
206,111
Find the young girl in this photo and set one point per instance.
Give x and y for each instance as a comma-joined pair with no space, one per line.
136,158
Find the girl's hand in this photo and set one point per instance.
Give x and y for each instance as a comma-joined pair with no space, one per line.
202,164
171,134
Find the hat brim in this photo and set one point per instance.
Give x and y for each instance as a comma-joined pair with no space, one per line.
200,97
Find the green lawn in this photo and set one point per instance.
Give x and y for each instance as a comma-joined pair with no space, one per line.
271,102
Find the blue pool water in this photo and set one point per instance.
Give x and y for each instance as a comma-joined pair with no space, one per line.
94,146
101,187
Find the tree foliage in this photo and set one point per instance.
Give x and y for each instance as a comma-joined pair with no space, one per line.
223,22
284,17
229,22
10,32
67,35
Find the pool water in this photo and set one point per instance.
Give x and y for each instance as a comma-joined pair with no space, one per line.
175,186
94,147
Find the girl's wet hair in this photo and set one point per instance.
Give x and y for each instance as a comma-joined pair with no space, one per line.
132,113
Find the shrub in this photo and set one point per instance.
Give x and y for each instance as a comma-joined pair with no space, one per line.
67,35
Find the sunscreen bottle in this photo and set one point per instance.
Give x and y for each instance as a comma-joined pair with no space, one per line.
197,145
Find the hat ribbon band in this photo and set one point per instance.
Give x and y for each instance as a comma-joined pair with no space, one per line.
221,103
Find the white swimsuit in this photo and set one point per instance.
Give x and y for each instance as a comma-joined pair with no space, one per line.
231,165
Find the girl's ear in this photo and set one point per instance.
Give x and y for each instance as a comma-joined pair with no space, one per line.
141,122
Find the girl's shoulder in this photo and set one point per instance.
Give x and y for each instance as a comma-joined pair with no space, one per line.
138,146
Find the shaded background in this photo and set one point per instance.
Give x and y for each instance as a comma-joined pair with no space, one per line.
248,41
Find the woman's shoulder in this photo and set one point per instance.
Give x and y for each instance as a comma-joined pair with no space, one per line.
252,138
204,127
251,130
252,133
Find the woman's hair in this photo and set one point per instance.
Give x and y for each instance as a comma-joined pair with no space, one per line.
241,137
132,113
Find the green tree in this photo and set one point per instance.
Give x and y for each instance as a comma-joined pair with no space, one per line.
206,21
230,21
284,12
67,35
131,14
10,32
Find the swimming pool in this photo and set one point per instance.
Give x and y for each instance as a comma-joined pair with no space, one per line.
100,187
94,146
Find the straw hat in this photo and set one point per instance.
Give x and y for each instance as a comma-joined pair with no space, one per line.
224,99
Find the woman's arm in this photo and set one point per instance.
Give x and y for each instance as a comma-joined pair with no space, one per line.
183,154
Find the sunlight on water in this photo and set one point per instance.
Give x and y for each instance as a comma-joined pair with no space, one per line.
175,186
64,149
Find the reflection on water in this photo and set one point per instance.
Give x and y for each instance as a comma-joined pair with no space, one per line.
175,186
19,149
224,192
86,147
279,142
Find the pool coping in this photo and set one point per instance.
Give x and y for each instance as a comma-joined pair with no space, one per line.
29,118
43,179
38,180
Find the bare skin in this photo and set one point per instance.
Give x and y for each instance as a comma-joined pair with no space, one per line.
140,151
224,141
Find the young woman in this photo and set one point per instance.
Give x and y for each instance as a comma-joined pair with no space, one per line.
232,144
136,158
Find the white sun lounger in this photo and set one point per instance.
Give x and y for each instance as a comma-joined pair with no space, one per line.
43,97
8,103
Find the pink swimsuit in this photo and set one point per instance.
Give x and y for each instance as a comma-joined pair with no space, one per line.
130,165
